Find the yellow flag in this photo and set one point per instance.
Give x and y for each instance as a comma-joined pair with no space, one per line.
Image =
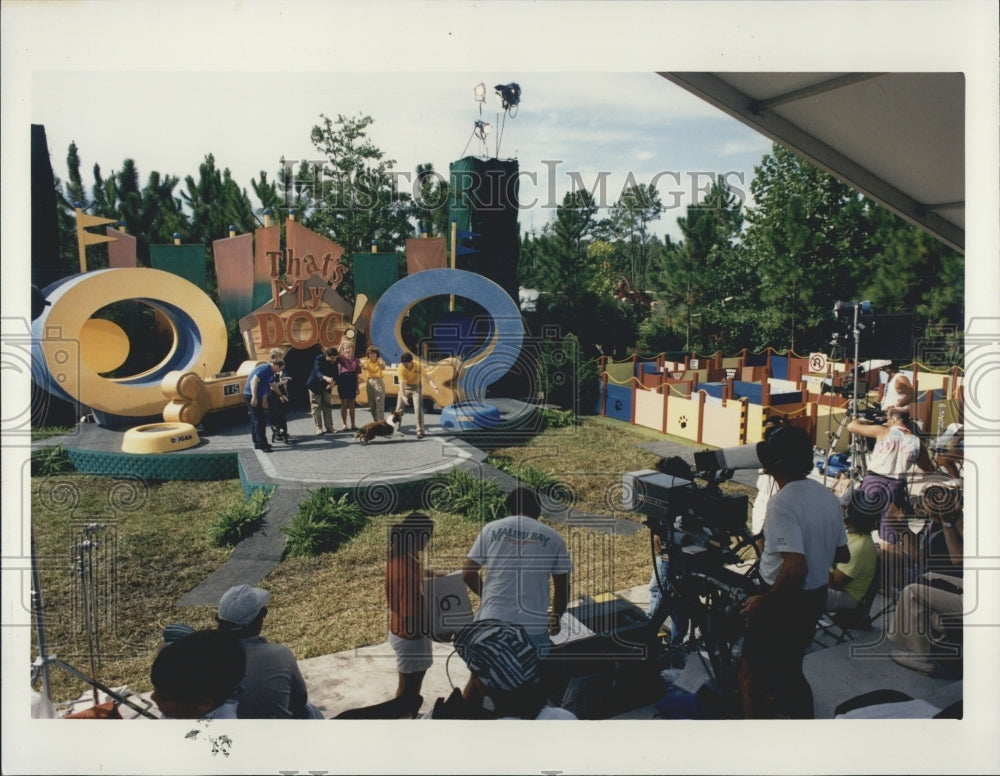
84,220
84,239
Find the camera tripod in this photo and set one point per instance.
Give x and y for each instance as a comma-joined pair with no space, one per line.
40,666
710,600
857,447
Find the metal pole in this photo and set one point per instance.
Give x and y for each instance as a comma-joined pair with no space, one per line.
38,611
85,603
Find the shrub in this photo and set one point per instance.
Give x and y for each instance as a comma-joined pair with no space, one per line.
558,418
49,460
549,488
540,480
462,493
323,523
241,519
566,377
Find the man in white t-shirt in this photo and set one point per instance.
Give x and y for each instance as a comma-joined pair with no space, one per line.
803,535
521,554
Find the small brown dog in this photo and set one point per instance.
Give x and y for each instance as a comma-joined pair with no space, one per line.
380,428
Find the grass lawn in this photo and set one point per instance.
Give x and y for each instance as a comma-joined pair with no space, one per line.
155,549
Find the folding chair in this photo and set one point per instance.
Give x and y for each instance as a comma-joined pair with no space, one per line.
892,580
839,623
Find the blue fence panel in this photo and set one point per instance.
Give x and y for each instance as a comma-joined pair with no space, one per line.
619,404
779,367
712,389
751,391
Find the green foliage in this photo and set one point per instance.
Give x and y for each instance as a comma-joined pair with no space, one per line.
637,207
430,203
558,418
45,432
913,271
601,323
807,242
462,493
692,275
49,460
150,212
239,520
541,481
356,200
659,335
561,265
566,377
323,523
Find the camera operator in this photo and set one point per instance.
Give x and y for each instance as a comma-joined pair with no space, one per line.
896,449
803,535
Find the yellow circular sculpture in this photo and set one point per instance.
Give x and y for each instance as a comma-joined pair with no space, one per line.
76,350
104,345
160,438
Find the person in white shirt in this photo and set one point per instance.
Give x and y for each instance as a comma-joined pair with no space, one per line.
521,554
803,535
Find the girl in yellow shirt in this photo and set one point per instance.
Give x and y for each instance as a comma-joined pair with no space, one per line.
372,370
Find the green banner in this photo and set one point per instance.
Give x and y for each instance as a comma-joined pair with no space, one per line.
187,261
374,273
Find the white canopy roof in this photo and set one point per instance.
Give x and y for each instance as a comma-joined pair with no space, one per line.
899,138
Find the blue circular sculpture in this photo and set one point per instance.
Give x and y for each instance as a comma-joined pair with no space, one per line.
481,368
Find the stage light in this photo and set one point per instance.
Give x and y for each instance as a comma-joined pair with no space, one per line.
481,130
480,92
509,94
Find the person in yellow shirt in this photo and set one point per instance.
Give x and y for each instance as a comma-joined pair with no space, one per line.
410,389
372,371
848,582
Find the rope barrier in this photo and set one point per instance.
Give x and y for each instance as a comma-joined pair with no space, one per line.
939,371
674,390
619,382
800,411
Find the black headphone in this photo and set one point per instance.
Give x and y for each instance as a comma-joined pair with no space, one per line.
772,438
779,445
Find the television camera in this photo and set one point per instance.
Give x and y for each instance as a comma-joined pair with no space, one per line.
712,555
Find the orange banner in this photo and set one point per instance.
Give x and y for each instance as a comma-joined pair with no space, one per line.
121,251
303,242
425,253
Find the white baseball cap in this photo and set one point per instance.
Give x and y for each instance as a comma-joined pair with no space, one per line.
240,605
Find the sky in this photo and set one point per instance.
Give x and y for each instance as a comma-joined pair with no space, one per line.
167,82
579,128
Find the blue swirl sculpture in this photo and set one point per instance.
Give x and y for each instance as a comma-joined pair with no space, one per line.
481,368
